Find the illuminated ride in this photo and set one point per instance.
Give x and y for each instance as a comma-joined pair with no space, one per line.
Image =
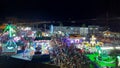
101,59
51,29
72,39
93,40
41,43
10,46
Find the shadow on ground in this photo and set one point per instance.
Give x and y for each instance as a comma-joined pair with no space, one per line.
9,62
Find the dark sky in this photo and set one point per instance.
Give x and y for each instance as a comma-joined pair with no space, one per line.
59,9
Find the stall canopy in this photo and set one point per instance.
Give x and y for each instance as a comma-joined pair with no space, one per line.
42,38
75,36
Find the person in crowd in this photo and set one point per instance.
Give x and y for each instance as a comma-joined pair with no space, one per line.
67,56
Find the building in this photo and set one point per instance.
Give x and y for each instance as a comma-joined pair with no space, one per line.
93,29
71,30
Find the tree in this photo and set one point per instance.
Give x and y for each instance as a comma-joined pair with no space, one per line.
61,24
83,25
39,34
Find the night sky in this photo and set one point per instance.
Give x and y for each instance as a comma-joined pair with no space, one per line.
90,12
59,9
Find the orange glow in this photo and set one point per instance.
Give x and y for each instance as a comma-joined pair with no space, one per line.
3,26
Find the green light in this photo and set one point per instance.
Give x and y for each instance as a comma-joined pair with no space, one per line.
10,29
102,60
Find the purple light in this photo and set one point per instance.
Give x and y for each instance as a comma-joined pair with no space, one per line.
68,43
72,41
80,40
76,40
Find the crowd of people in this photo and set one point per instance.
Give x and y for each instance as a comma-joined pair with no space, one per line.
68,56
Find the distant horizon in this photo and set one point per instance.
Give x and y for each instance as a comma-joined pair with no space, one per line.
112,23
